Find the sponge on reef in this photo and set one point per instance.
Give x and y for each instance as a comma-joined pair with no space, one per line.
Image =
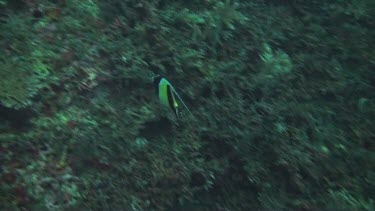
17,85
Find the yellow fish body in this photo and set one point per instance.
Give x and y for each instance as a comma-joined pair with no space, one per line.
166,94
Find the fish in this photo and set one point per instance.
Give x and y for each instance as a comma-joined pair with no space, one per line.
168,95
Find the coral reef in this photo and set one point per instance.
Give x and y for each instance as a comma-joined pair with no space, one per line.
282,95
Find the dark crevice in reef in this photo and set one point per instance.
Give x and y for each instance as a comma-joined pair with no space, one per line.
18,120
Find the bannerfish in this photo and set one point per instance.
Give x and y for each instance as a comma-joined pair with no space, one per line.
167,95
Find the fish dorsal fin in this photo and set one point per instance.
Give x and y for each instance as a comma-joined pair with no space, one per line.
183,103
